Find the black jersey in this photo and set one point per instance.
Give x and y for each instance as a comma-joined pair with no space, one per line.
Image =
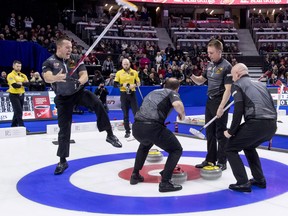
157,105
55,64
218,74
256,99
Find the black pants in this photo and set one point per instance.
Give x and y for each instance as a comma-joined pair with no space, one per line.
249,136
155,133
17,102
215,132
65,106
127,101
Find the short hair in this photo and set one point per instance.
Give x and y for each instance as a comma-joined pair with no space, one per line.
215,43
16,62
60,40
172,83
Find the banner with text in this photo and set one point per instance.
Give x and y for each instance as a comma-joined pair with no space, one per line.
37,105
217,2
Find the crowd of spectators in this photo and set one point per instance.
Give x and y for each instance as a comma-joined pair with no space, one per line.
154,65
275,68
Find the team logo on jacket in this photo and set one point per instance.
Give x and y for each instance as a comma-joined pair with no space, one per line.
56,64
219,71
71,64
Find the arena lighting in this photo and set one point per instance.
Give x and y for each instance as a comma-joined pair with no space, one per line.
106,5
273,11
206,9
157,9
280,9
260,11
211,12
110,8
254,9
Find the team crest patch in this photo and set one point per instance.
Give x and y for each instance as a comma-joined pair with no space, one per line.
56,64
219,71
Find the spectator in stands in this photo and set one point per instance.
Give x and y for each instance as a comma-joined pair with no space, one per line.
110,80
107,66
203,15
153,79
144,61
144,77
282,68
28,21
101,92
12,21
121,29
195,51
169,51
196,71
161,71
158,60
234,61
36,83
3,79
169,73
272,79
93,60
19,23
97,78
178,52
2,37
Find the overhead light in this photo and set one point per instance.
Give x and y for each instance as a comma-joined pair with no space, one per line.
206,9
254,9
280,9
157,9
260,11
110,8
106,5
211,12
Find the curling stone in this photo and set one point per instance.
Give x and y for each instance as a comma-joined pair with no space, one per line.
120,127
154,155
179,176
211,172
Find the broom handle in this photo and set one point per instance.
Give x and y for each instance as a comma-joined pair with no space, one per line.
215,117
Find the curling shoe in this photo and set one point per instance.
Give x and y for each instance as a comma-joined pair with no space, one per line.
114,141
222,166
127,134
258,183
241,187
60,168
136,178
203,164
169,187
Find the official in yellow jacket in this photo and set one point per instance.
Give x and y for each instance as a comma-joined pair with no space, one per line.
127,79
17,82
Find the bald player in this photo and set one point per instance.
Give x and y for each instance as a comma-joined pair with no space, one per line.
127,80
253,102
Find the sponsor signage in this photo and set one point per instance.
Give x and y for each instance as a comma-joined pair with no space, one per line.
40,105
216,2
37,105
